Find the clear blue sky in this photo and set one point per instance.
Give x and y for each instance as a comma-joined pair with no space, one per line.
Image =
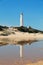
32,9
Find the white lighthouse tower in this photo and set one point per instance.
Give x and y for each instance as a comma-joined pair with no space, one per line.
21,19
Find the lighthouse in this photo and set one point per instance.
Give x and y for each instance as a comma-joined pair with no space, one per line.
21,19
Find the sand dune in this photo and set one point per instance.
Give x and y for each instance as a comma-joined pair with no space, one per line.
21,36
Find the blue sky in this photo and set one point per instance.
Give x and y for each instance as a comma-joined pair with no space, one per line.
32,9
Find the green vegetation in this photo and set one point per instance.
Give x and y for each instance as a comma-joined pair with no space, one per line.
30,29
22,29
3,27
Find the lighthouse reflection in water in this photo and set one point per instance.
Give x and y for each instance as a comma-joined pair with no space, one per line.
25,51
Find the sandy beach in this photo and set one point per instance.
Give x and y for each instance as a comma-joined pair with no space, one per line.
21,36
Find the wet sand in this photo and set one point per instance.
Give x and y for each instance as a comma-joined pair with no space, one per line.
20,62
37,63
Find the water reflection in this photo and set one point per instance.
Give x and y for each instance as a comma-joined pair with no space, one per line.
4,42
21,50
22,43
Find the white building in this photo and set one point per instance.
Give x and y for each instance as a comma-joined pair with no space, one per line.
21,19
